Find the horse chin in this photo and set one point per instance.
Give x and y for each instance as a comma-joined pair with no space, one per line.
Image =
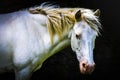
84,71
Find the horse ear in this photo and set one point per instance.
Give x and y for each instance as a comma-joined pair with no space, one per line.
78,15
97,12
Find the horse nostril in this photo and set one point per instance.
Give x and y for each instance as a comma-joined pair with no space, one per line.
84,65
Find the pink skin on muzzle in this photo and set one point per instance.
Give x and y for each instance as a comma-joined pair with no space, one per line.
86,68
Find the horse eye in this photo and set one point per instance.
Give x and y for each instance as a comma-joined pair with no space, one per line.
78,36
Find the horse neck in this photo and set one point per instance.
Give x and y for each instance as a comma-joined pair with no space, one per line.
59,43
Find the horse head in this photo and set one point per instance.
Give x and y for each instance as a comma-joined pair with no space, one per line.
83,38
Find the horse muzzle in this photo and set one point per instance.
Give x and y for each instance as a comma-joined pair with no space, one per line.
86,68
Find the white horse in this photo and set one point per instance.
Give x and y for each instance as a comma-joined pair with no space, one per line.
28,37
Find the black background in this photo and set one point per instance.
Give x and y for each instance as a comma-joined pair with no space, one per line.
64,65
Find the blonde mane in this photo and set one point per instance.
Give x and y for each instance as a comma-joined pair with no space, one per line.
61,20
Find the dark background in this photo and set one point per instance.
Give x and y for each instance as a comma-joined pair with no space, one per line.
64,65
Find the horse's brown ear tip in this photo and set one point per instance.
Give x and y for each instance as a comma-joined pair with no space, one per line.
79,11
78,15
97,12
